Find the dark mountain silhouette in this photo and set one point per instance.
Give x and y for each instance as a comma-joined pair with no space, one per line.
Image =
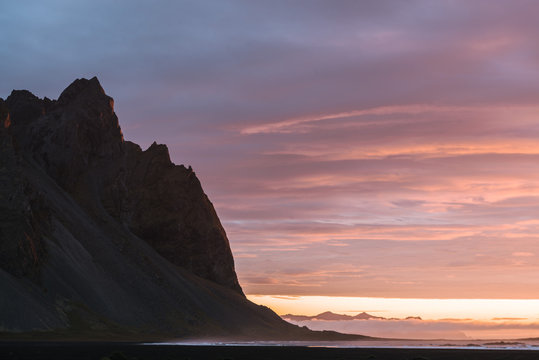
328,315
365,316
100,239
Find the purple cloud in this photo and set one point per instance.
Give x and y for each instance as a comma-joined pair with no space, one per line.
359,148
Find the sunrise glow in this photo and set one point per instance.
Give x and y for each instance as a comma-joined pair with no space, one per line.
377,156
427,309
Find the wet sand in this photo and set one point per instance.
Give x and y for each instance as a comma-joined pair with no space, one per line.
122,351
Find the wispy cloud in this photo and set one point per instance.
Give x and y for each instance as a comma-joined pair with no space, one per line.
282,126
385,148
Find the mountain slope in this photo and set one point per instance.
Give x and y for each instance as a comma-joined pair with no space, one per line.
99,238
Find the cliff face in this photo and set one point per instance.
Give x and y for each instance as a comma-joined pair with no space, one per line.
23,220
99,236
78,142
165,205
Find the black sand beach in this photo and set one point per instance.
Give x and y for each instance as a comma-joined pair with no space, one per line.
122,351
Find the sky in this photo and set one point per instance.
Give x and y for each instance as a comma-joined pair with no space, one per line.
449,329
378,149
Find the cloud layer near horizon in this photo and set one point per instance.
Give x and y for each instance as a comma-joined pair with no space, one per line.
429,329
380,148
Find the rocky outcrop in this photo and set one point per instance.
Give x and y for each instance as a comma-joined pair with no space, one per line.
165,205
100,237
78,142
24,216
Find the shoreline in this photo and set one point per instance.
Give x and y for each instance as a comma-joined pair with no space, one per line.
119,350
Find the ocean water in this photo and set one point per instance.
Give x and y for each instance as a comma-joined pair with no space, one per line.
532,345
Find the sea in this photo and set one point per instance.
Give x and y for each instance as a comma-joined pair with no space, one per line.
521,344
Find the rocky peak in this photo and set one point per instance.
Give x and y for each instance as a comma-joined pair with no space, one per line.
21,97
79,144
99,239
86,102
24,106
82,90
159,152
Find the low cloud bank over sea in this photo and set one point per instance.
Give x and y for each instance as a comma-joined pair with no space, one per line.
457,329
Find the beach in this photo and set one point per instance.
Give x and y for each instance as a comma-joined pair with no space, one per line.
121,351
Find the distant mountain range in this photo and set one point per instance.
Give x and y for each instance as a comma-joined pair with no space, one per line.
328,315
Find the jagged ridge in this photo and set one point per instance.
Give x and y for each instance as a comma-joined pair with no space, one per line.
100,237
77,140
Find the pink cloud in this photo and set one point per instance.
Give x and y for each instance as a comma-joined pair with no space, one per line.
382,146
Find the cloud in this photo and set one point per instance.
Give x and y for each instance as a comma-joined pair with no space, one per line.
282,126
523,254
377,146
287,297
457,329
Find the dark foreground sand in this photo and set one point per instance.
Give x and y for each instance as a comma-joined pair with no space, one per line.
122,351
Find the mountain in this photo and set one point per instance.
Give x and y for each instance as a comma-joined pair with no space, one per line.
101,239
365,316
328,315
